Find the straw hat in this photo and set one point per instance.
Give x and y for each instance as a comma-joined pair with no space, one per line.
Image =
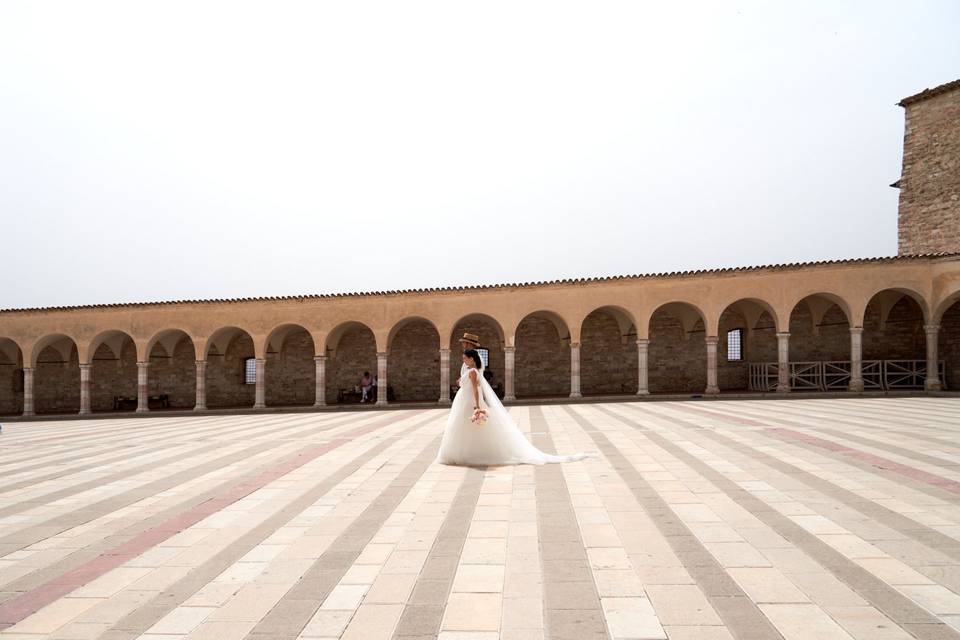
471,338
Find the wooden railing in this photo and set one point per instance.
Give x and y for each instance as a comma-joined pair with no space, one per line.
878,375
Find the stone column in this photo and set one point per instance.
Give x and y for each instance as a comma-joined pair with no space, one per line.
932,383
643,349
260,388
575,370
201,402
28,391
320,392
856,359
142,399
381,379
509,359
712,388
444,376
783,362
85,370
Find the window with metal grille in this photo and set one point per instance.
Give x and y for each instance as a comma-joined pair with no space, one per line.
735,345
250,371
484,356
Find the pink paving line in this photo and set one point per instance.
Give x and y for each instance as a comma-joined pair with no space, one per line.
16,609
883,463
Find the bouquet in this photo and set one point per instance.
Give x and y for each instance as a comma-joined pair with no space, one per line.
479,416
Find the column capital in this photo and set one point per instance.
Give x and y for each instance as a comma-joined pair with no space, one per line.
319,358
509,349
87,366
783,334
856,330
712,339
574,345
931,328
643,342
382,354
445,349
143,364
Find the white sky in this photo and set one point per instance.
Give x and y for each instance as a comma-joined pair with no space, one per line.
171,150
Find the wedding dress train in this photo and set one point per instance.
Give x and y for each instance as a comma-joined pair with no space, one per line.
498,441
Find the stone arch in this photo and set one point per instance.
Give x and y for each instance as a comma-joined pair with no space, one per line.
226,352
608,352
759,324
677,360
112,356
819,326
884,299
172,354
948,340
414,363
290,374
56,374
351,349
492,337
542,340
893,321
11,377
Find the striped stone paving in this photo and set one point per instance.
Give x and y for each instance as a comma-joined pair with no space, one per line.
795,519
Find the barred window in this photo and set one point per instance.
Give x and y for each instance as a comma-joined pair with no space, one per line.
250,371
484,356
735,345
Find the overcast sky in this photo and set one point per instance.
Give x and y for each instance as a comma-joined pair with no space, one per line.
168,150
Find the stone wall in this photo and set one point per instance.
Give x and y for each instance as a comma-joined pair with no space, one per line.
608,361
489,339
413,367
900,338
949,346
290,374
56,384
930,183
112,375
11,387
174,374
542,364
677,361
829,341
356,353
225,375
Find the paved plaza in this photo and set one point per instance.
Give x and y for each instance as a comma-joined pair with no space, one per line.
797,519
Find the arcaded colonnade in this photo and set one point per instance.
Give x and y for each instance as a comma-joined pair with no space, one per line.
856,324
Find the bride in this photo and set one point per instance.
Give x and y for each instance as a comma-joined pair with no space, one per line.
498,440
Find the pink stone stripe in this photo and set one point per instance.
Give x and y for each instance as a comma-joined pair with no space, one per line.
16,609
883,463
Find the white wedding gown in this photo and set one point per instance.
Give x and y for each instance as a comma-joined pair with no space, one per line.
498,441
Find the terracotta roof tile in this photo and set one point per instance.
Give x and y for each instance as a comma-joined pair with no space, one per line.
481,287
929,93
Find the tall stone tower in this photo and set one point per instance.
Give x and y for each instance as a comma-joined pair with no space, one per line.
930,182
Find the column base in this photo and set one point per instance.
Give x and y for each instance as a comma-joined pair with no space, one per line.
576,394
27,414
259,406
783,388
933,385
509,398
319,405
84,412
855,386
381,403
643,392
444,402
712,391
143,410
199,407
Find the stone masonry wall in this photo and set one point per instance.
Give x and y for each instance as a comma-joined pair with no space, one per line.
542,366
414,363
828,342
290,375
607,365
356,353
225,379
677,363
901,338
949,346
113,375
56,384
489,338
11,388
930,183
175,376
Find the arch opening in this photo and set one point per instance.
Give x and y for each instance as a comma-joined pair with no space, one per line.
677,360
608,353
542,365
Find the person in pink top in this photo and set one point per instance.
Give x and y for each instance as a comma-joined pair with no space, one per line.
366,384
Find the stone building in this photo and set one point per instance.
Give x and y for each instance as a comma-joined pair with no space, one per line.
859,325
